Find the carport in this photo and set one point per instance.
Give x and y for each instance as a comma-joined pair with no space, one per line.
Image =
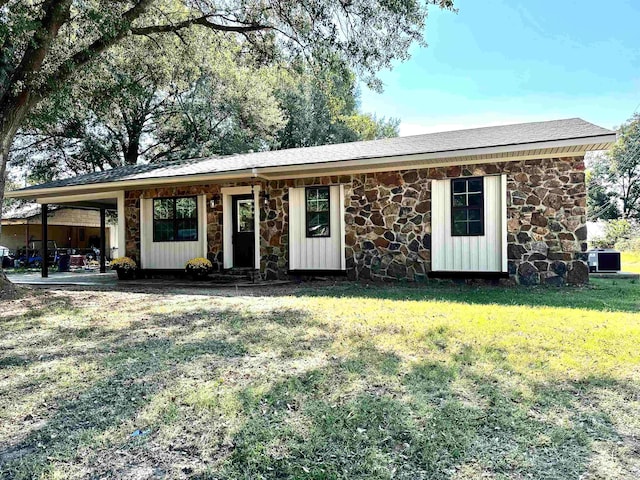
102,201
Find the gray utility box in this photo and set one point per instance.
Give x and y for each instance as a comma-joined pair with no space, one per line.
604,260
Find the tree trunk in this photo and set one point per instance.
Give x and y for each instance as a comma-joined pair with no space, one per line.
132,150
13,111
7,289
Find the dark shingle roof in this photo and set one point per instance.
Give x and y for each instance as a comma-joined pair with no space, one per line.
452,141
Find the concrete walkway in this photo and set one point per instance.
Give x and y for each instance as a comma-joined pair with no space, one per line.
83,278
110,280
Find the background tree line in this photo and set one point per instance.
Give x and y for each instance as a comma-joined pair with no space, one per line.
613,186
156,100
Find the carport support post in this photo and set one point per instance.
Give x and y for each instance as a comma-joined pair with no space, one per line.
45,240
103,240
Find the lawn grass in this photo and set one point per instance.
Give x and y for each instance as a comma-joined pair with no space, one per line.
631,262
323,382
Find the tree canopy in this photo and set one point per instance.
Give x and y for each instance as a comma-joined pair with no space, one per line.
46,45
138,107
149,101
614,180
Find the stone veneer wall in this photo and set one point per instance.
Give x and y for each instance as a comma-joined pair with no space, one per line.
388,220
214,217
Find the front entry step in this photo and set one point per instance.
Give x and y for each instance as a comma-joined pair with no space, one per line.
234,275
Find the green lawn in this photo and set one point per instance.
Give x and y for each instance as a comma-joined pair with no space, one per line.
323,381
631,262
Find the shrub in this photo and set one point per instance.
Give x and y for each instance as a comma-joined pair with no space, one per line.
629,245
123,263
616,234
199,265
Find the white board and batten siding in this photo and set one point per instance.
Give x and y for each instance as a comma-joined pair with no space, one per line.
170,255
326,253
485,253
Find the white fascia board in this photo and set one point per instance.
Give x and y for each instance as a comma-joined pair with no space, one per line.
111,195
361,165
444,155
92,188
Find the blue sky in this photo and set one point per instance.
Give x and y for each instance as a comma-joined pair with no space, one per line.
508,61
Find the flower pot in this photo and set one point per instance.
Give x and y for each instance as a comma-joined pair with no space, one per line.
125,274
198,274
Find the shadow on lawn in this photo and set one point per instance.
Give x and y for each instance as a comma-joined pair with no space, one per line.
137,366
377,421
369,414
602,295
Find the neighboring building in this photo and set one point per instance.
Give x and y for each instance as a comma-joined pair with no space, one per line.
504,201
77,228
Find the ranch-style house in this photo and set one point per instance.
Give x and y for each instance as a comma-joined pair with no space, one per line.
506,202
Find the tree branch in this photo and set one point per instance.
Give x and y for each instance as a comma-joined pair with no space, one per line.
84,56
56,13
204,21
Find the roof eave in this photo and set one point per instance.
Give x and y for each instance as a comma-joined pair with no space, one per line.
604,141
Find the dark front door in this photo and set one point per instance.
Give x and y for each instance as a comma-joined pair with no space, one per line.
243,231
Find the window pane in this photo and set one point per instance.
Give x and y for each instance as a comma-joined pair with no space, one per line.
245,216
318,224
163,230
175,219
475,228
460,200
475,185
475,200
323,193
186,207
467,198
163,208
459,186
474,214
317,199
459,228
459,215
187,229
318,212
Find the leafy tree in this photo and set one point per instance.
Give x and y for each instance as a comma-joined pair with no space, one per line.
624,167
369,127
614,189
323,109
616,232
47,44
601,200
150,101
